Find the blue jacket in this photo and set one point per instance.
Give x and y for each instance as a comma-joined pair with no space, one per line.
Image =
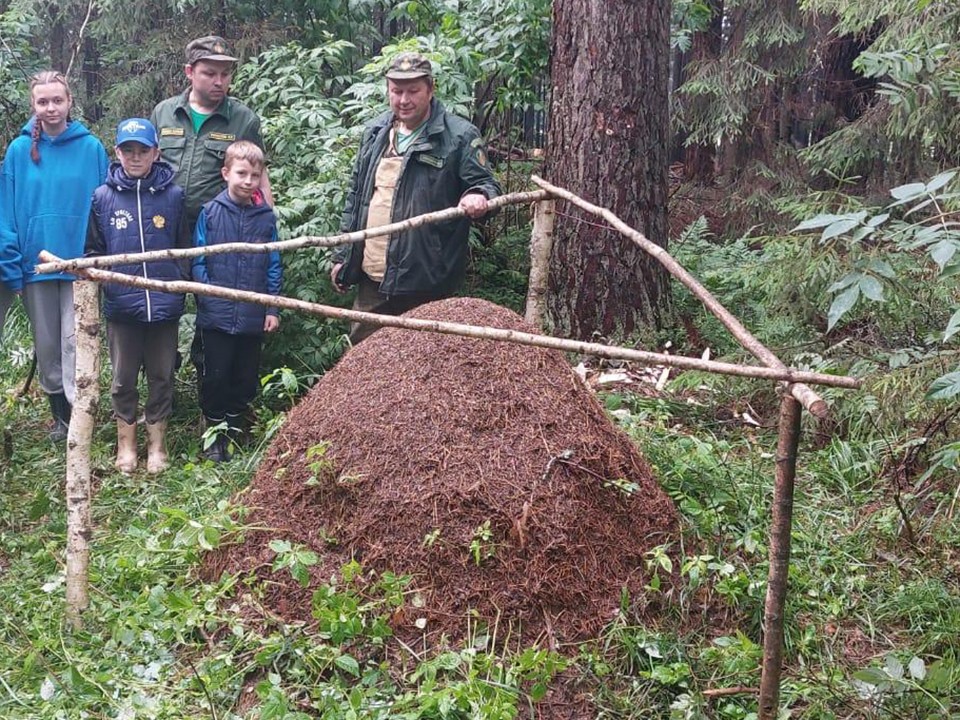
132,215
222,220
45,205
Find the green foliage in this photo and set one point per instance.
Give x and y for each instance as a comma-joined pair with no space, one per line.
18,60
880,248
915,62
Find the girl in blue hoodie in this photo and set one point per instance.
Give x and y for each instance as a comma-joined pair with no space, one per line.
49,174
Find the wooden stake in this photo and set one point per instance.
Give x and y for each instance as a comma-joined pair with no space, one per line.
79,437
487,333
541,246
782,522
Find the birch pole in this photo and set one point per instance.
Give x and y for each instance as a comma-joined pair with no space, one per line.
79,437
50,263
541,246
773,610
485,333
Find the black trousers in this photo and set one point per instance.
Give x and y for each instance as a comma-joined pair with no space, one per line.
228,367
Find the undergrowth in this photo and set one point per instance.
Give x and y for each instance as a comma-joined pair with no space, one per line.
873,612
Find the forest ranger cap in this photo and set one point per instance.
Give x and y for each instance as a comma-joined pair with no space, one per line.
409,65
209,47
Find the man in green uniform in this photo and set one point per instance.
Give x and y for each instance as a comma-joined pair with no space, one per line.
196,126
414,159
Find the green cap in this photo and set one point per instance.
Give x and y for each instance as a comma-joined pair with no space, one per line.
210,47
409,65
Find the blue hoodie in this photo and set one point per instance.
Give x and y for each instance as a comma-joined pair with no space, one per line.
45,206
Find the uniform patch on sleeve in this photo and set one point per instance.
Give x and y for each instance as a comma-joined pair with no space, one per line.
172,132
476,142
481,158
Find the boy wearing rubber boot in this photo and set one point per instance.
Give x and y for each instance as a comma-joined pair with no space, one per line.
140,209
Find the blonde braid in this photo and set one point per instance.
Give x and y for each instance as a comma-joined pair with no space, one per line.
35,141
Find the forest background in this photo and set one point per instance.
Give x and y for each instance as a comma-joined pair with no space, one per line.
812,189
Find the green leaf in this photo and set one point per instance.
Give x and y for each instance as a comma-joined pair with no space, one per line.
944,387
872,676
839,228
953,326
943,252
939,181
893,667
841,304
817,222
950,270
280,546
845,282
300,574
448,661
871,288
348,664
881,268
908,191
210,538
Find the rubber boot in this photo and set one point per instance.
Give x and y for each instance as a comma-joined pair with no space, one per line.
218,451
126,447
60,410
157,447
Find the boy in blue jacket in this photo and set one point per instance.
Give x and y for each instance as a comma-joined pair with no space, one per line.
231,332
140,209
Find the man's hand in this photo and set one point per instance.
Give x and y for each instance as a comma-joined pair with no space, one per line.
333,278
474,205
271,323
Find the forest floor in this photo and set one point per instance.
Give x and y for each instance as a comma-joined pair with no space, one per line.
872,622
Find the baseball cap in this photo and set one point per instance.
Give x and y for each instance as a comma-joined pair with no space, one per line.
209,47
137,130
409,65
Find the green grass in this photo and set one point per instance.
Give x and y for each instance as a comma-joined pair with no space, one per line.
873,620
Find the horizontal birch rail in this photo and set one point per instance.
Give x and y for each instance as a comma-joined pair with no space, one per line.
307,241
488,333
805,395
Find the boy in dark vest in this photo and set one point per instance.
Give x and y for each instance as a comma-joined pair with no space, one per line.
231,332
140,209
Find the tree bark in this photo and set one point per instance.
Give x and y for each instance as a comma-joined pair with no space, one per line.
608,142
700,158
79,437
541,247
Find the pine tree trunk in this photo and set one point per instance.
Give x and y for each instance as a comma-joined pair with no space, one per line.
699,159
608,142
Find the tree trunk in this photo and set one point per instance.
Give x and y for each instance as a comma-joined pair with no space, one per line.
59,53
608,142
699,159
